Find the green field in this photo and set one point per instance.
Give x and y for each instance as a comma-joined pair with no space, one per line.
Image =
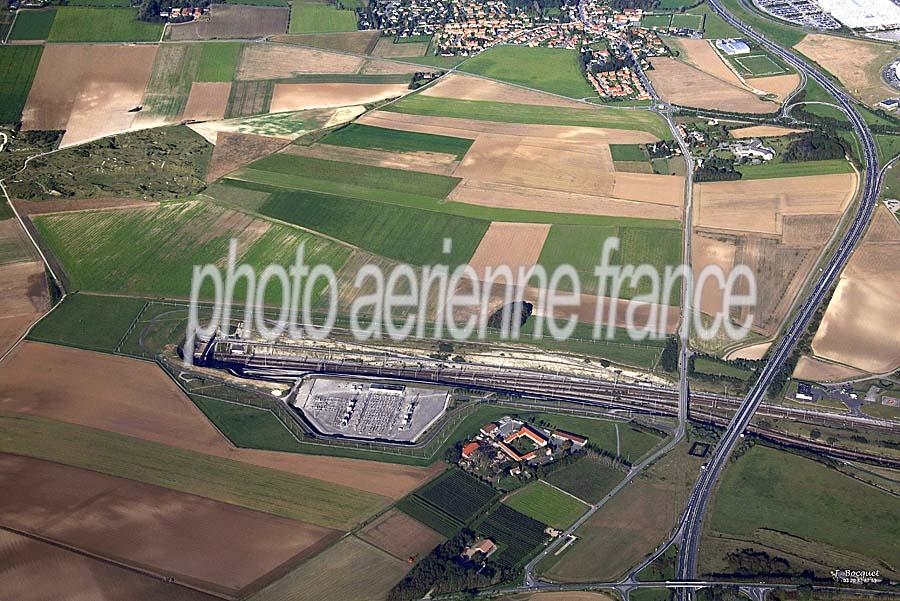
152,252
93,322
715,368
79,24
580,246
502,112
33,24
100,3
554,70
174,70
392,140
258,488
757,65
657,21
218,61
714,27
410,235
544,503
248,427
688,21
320,17
776,31
588,478
786,493
806,168
628,152
634,443
429,515
17,67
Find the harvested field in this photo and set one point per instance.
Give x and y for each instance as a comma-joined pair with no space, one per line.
279,61
300,96
233,21
284,126
191,538
383,66
23,299
357,42
387,48
516,245
401,536
37,571
351,570
817,370
207,101
712,250
88,90
861,328
681,83
44,207
856,63
780,85
57,382
752,353
467,87
425,162
701,54
234,150
765,202
762,131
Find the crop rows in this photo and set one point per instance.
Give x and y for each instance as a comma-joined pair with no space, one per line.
516,533
430,515
458,494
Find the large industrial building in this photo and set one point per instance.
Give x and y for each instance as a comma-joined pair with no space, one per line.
871,15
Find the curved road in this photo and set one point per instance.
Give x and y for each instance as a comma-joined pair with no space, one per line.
692,523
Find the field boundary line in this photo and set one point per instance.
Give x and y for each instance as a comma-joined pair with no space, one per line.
131,327
565,492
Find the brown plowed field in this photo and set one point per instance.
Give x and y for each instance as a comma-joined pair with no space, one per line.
233,150
701,54
861,327
467,87
516,245
752,353
278,61
426,162
357,42
207,100
60,383
44,207
299,96
88,89
23,299
761,131
681,83
810,368
857,63
233,21
189,537
712,250
401,536
36,571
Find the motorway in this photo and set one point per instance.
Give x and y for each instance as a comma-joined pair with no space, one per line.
692,523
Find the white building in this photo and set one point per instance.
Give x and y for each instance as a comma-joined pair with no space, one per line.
733,47
864,14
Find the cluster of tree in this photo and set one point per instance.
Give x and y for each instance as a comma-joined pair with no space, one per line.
444,571
751,563
661,150
669,358
420,78
739,363
716,169
520,310
815,146
628,4
149,9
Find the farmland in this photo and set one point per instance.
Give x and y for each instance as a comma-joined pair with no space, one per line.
233,21
33,24
799,506
800,169
484,110
458,494
546,504
18,65
400,535
262,489
248,427
392,140
132,251
90,322
429,515
320,17
553,70
218,61
79,24
517,534
589,478
634,442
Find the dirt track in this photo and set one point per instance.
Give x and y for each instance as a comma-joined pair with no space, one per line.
60,383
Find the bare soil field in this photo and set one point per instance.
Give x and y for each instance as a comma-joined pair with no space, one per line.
234,150
351,570
37,571
467,87
761,131
279,61
382,66
23,299
856,63
425,162
817,370
189,537
44,207
386,47
60,383
357,42
681,83
516,245
751,353
780,85
401,536
861,327
712,250
470,128
300,96
88,89
759,205
233,21
207,100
